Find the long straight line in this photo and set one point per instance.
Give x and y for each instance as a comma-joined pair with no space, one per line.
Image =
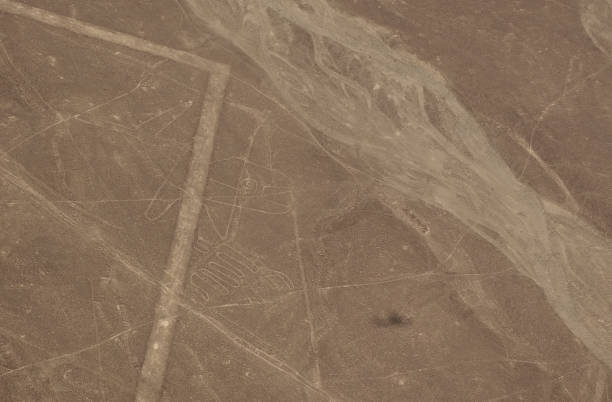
119,38
307,301
160,341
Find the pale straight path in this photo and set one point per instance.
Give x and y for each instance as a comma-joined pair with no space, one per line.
96,32
156,359
160,340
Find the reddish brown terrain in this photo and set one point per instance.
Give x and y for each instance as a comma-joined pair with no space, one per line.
305,200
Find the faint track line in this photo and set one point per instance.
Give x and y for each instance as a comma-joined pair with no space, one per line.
552,105
570,200
129,264
62,119
77,352
98,350
153,370
160,340
307,299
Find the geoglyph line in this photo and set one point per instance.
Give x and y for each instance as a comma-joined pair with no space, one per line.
160,340
118,38
129,264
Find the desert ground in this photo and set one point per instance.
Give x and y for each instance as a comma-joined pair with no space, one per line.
305,200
